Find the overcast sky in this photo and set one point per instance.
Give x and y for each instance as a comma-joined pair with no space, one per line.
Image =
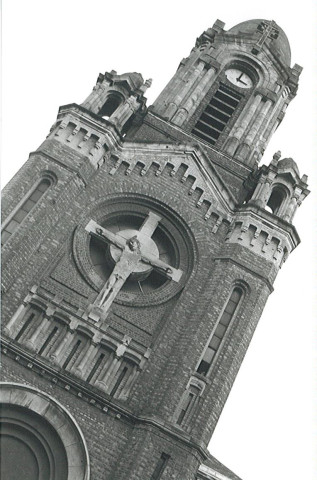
53,52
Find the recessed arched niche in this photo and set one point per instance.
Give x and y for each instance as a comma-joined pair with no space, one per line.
39,438
276,199
111,104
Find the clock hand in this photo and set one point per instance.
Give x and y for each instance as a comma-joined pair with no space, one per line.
241,81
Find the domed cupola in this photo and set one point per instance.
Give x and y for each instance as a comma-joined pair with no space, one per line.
264,32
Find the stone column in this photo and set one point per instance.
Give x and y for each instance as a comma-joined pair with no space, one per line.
258,122
110,373
10,328
244,122
264,193
81,368
95,101
127,388
241,125
32,341
122,114
196,96
269,133
62,346
182,92
291,209
244,149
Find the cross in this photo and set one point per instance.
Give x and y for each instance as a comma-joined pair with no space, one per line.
133,251
268,30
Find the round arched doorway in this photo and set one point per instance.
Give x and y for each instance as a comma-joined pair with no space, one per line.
39,439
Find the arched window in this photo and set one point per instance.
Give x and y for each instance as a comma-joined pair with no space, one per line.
24,210
120,381
188,404
111,104
217,114
220,331
276,200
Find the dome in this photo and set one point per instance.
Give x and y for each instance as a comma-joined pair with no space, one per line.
287,164
281,44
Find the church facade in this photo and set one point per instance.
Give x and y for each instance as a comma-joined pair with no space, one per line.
139,247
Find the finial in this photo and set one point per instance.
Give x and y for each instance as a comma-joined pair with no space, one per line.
277,155
304,178
146,85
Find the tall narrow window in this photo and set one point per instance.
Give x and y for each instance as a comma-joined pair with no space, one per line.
95,367
48,340
188,405
220,331
72,355
160,467
276,200
185,408
24,210
25,326
110,106
217,114
119,381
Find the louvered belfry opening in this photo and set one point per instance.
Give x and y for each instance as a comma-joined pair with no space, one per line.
217,114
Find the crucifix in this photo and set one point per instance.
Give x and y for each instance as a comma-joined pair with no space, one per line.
133,251
268,30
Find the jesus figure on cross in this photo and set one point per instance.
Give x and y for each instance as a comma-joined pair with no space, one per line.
133,251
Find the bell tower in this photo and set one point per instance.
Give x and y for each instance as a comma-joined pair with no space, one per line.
139,247
233,89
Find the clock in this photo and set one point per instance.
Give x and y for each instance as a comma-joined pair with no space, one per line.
238,78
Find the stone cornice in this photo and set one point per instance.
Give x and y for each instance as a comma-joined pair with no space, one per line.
89,395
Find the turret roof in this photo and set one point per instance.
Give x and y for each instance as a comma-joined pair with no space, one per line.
281,43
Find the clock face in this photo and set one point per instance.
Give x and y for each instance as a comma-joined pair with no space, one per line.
238,78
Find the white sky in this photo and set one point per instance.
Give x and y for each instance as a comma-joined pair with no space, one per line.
52,53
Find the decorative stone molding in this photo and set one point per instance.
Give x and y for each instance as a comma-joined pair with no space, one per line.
268,242
209,473
95,341
62,422
157,157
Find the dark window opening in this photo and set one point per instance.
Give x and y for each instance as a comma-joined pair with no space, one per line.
111,104
218,124
72,354
95,367
222,106
23,211
26,324
185,408
275,200
48,340
160,467
217,114
118,382
227,99
219,332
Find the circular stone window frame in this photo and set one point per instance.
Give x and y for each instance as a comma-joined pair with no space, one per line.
64,424
178,233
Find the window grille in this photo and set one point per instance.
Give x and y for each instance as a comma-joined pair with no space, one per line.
217,114
219,332
24,210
